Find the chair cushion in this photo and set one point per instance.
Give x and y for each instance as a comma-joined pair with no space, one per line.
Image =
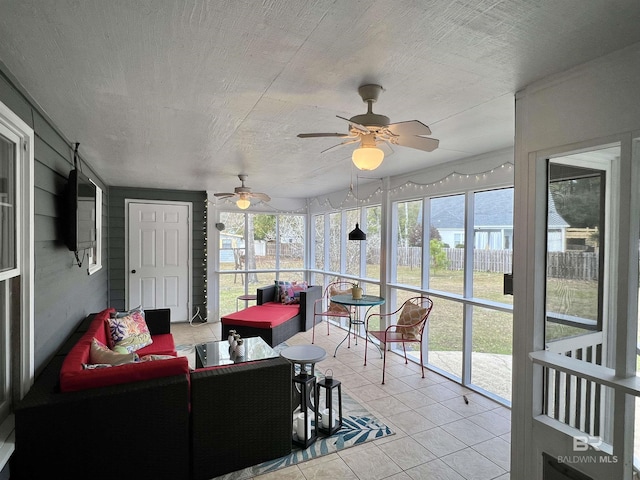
336,307
411,314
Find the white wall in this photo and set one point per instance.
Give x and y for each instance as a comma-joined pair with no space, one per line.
590,105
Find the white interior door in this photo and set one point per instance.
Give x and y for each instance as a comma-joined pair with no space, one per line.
158,259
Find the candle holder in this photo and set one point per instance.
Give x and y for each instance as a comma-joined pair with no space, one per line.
304,386
332,388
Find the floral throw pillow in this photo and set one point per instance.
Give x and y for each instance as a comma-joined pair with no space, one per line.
129,330
288,293
411,313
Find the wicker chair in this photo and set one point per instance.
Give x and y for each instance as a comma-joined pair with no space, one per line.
324,308
412,318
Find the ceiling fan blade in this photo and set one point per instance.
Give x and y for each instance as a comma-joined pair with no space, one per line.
313,135
348,142
224,195
420,143
261,196
362,128
411,127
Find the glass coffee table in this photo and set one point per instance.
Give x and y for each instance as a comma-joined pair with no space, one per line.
214,354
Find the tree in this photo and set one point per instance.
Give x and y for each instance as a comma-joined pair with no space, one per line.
438,255
578,201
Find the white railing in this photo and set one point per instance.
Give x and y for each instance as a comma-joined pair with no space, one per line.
572,399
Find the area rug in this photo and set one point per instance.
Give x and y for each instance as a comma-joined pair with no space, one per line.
358,426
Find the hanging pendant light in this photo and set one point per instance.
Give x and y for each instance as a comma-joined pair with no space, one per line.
357,234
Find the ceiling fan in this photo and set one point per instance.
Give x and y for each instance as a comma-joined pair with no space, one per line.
371,129
244,194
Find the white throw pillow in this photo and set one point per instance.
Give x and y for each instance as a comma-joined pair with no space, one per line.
100,353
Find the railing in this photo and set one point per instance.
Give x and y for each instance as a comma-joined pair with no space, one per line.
571,399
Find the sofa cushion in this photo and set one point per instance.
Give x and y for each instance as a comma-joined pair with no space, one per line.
162,345
100,353
129,330
267,315
131,372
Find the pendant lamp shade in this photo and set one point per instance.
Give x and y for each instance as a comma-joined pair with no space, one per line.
357,234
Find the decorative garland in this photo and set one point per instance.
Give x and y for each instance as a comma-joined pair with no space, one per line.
452,176
410,184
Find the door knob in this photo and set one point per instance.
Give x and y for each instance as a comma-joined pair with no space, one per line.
133,271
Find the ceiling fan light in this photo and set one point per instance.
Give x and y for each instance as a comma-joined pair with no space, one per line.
243,203
367,158
357,234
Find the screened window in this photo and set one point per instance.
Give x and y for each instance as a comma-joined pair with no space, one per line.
318,223
446,268
408,248
372,245
256,250
7,204
335,241
95,254
353,247
493,233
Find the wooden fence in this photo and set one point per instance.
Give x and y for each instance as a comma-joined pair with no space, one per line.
567,265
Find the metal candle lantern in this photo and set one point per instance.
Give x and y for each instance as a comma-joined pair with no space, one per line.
330,423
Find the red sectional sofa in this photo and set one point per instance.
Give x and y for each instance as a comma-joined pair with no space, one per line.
272,320
160,421
74,377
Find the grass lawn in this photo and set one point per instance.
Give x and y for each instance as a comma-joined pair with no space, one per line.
492,330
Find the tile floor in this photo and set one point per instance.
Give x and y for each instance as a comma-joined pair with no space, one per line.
437,434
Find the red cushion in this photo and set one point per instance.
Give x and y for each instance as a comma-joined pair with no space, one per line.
79,353
127,373
267,315
162,345
74,377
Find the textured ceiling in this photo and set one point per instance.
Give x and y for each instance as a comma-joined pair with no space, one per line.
185,94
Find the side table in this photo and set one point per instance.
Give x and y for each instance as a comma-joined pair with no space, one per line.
246,298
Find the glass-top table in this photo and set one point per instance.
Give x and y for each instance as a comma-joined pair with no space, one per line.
214,354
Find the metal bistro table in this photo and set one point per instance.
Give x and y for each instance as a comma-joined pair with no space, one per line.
369,301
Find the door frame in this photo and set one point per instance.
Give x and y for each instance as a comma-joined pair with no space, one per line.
189,205
537,431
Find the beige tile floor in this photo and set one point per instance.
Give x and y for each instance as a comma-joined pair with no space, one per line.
437,434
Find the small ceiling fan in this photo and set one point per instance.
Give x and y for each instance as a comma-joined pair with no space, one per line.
371,129
244,194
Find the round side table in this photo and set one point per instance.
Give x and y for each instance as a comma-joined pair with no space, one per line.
246,299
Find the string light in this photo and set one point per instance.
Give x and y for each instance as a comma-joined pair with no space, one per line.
415,186
450,177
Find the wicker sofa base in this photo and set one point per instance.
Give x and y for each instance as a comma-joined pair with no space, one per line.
273,336
240,416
